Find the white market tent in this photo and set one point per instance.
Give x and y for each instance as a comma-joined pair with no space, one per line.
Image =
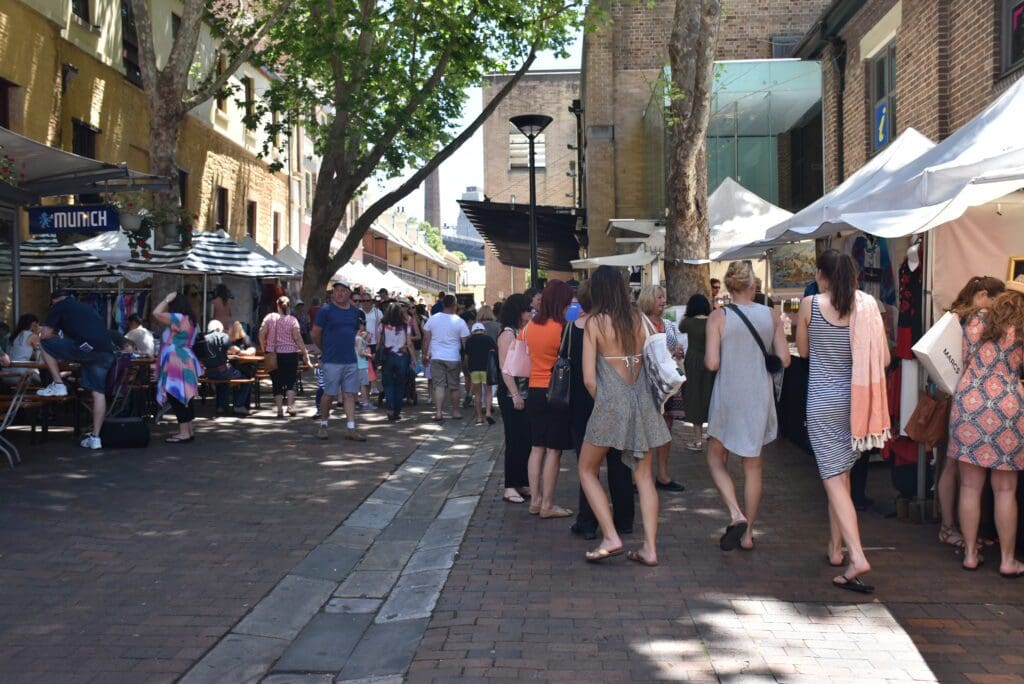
111,248
396,285
250,244
641,257
815,219
288,256
738,217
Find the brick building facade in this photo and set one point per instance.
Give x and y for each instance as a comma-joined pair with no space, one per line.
622,61
506,175
949,65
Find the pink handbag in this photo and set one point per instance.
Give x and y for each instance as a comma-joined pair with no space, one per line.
517,359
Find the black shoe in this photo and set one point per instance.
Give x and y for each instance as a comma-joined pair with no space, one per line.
670,486
589,535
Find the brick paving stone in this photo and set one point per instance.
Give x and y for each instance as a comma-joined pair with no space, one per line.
107,552
705,615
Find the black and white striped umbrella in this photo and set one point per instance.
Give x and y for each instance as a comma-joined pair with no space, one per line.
212,253
44,256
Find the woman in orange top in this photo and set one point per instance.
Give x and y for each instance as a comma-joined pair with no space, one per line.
549,427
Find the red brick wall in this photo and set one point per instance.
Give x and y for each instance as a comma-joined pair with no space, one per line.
947,57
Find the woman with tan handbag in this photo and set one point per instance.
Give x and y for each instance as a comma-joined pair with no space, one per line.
281,341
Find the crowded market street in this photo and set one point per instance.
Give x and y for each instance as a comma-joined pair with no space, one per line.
261,553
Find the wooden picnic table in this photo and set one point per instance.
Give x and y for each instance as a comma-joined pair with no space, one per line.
22,398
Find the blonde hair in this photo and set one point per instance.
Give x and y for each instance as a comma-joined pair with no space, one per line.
485,313
739,277
647,296
284,304
237,331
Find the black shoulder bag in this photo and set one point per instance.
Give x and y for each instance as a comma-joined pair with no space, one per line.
772,363
559,387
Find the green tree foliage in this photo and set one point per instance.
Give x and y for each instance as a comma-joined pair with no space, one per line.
381,84
433,236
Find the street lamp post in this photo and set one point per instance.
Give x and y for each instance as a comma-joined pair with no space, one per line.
531,126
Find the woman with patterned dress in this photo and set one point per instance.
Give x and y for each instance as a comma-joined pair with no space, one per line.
986,424
178,379
652,301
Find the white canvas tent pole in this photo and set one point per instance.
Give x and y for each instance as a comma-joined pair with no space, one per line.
202,325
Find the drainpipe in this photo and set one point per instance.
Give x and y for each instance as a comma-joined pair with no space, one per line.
838,61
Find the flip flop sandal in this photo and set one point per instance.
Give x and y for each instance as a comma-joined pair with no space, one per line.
981,561
178,440
854,585
1011,575
637,558
731,539
600,555
534,510
556,512
514,499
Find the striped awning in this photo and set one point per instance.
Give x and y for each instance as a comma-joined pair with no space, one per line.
211,253
44,256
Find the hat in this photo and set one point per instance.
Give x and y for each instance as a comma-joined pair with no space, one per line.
1017,284
343,284
62,292
478,326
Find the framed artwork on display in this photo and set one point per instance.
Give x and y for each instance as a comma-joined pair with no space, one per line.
1016,267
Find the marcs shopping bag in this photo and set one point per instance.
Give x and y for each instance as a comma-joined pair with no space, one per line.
941,352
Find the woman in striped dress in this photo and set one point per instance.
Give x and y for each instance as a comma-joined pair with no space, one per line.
823,338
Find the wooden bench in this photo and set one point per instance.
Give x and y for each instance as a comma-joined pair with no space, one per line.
230,382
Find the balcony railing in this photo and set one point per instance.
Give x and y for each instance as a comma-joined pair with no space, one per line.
417,280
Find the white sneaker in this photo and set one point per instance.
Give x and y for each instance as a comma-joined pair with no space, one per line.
54,389
92,442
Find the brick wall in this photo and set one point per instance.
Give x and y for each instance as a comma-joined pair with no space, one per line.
31,58
548,93
948,70
621,64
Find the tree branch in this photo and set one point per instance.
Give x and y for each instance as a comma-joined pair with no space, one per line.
373,212
374,156
147,52
208,90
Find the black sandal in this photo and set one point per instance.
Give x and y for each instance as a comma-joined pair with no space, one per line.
731,539
854,585
179,440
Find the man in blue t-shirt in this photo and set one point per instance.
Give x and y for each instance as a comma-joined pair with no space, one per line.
86,341
334,331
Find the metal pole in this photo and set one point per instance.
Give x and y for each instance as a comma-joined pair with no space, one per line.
533,218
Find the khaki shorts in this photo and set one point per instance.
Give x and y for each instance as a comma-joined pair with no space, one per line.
478,377
445,374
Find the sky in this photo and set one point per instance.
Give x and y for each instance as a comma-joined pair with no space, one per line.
466,166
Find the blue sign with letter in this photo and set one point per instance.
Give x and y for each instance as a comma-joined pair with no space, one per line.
882,124
81,218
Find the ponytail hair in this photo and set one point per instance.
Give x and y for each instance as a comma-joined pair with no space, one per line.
841,273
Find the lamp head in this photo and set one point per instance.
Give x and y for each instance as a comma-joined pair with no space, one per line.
531,125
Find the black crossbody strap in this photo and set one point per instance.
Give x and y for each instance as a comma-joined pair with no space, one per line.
750,327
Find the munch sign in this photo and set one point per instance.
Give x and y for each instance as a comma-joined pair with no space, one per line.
81,218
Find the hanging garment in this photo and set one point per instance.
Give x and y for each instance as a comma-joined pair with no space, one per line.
911,319
874,268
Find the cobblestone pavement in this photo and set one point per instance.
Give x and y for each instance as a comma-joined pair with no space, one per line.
520,603
128,566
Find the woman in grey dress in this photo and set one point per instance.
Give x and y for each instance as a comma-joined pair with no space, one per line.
742,415
625,416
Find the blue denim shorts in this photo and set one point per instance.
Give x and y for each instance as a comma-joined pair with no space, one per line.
94,364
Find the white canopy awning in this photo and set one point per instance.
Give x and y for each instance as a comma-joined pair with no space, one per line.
815,219
250,244
637,226
640,257
738,217
111,247
396,285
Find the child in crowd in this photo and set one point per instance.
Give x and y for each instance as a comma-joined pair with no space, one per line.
479,348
